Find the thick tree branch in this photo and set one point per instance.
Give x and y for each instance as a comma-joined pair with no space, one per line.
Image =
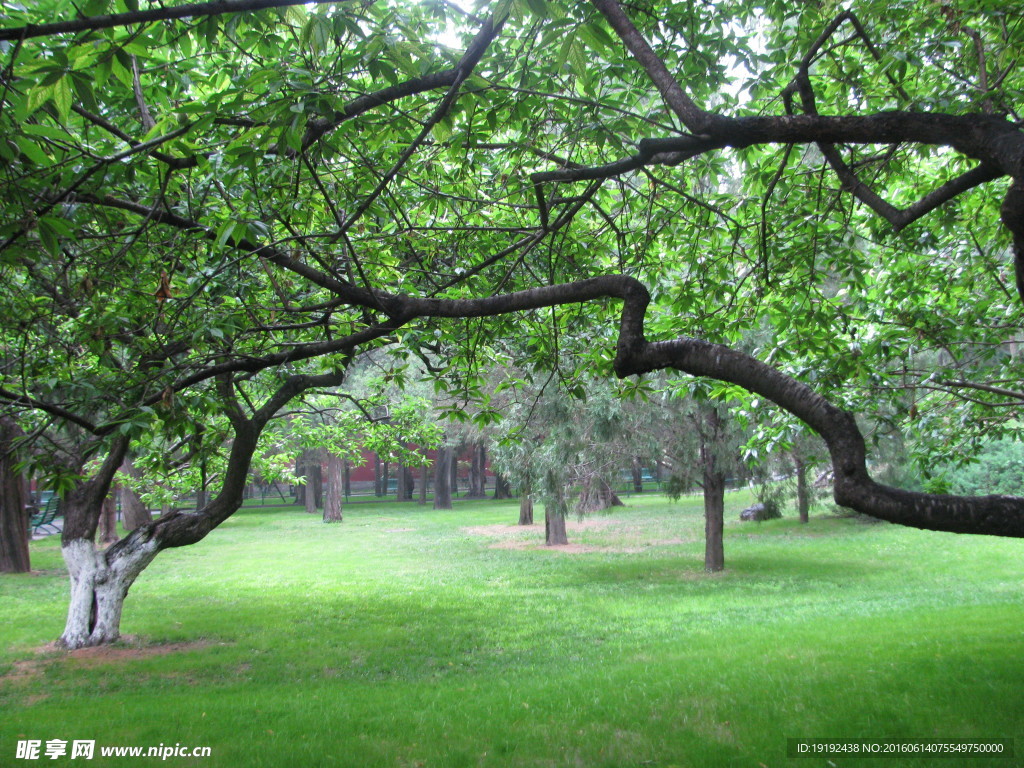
189,10
692,116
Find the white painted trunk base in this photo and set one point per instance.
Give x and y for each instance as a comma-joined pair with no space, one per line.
98,589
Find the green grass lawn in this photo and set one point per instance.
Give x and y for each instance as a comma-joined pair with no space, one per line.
409,637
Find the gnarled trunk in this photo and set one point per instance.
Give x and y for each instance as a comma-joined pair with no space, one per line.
99,584
597,495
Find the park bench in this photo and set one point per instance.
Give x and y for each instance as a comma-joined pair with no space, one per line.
44,518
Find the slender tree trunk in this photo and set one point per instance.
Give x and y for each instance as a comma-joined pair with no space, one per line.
477,472
335,489
423,483
442,478
400,490
714,521
378,486
638,475
108,521
385,478
454,467
314,482
502,490
318,481
14,516
301,470
525,504
803,491
133,512
346,476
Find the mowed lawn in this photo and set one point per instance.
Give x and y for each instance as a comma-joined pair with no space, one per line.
407,637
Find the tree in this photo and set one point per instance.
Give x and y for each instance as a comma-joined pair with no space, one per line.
388,189
14,533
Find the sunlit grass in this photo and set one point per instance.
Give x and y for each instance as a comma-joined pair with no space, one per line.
407,637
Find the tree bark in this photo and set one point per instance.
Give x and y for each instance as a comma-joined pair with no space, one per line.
423,483
314,482
442,478
525,504
346,479
453,468
335,489
502,490
14,515
714,496
803,491
477,476
318,482
400,490
108,521
378,486
597,495
554,526
133,512
554,513
638,475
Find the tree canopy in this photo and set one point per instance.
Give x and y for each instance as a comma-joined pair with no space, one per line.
227,201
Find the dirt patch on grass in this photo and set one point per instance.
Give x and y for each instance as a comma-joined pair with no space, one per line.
620,537
501,531
129,649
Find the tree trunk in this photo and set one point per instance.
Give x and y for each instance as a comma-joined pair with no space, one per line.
335,489
638,475
378,487
400,490
423,484
318,482
554,526
385,478
14,555
597,495
803,491
346,476
714,521
442,478
477,475
501,487
314,482
554,513
526,504
133,512
99,585
453,468
108,521
300,472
